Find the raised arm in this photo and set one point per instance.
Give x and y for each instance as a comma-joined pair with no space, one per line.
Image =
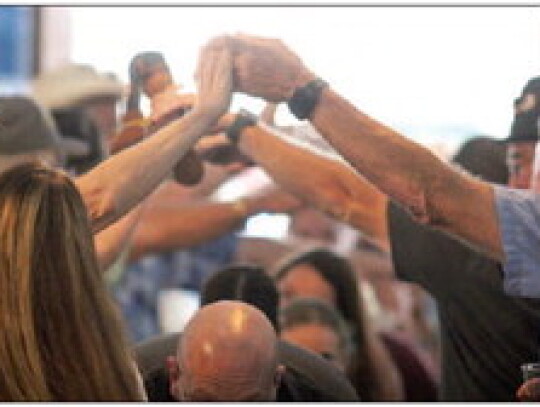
433,192
112,241
119,183
318,179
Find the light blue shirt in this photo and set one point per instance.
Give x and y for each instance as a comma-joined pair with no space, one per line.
519,223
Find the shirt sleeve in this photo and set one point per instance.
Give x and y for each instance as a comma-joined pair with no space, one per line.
407,240
438,262
518,213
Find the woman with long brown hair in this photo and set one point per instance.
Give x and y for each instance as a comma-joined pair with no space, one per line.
320,273
60,335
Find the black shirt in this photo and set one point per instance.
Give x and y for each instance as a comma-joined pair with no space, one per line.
485,334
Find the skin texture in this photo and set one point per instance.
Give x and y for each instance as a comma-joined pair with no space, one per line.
227,353
319,180
111,242
431,190
170,222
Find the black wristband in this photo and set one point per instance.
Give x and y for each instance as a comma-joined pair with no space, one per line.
244,118
305,99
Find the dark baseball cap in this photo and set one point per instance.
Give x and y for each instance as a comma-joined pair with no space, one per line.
524,126
25,127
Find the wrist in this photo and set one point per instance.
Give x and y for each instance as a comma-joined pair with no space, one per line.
202,115
306,98
243,207
243,119
299,81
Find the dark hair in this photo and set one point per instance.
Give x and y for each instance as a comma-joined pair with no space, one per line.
484,157
75,123
305,311
246,283
143,64
338,272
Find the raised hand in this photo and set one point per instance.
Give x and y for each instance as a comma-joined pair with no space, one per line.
264,67
214,82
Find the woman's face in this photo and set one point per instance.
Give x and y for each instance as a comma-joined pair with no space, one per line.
316,338
303,281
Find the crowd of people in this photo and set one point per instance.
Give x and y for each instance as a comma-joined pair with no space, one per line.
405,277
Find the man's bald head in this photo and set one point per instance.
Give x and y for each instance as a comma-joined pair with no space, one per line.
228,353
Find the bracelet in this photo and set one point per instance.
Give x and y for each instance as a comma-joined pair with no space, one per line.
305,99
240,207
137,123
244,118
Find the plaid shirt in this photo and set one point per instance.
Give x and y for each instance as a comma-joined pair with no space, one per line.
138,288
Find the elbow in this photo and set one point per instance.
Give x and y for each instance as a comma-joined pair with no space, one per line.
423,205
336,204
103,210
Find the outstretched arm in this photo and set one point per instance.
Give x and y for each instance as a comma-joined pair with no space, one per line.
112,241
433,192
318,179
173,225
119,183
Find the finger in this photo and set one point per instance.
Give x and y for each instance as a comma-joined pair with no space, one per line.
211,141
223,41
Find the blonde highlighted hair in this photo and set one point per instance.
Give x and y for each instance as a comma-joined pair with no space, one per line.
60,335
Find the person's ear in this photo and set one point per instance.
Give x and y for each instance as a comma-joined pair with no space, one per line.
174,376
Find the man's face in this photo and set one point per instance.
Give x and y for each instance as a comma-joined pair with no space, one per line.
103,113
520,160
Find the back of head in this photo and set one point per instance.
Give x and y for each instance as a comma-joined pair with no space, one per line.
228,353
26,130
249,284
484,157
60,335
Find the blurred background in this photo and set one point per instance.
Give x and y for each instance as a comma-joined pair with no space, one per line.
435,73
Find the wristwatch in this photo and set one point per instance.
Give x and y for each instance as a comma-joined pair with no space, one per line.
244,118
304,99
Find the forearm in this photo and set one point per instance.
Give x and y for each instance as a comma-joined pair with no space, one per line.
323,182
162,229
116,185
431,190
112,241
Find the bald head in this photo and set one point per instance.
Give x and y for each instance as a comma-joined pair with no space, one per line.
228,353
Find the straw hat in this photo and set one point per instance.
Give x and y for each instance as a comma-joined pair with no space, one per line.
74,84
